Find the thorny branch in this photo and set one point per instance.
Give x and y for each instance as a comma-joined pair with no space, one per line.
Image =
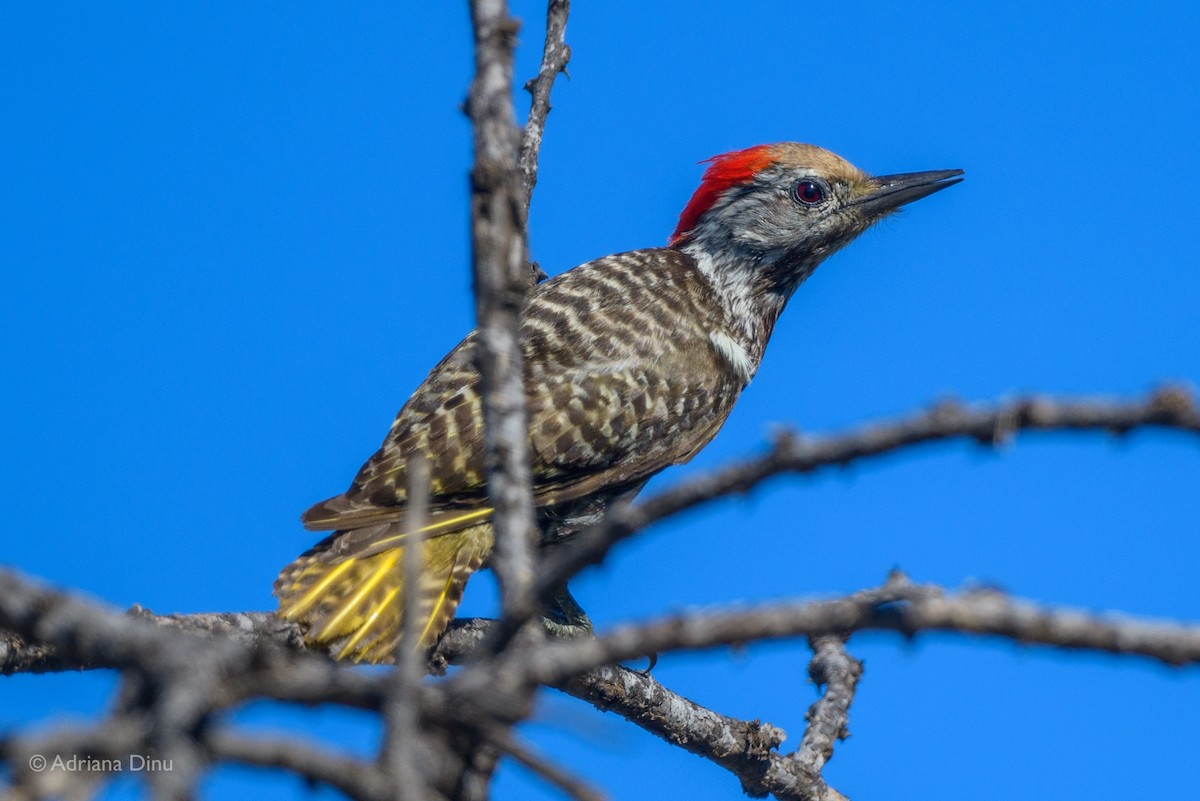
1170,408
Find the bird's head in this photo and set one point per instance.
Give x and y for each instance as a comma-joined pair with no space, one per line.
777,211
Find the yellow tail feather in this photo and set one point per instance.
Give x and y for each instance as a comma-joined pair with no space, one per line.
370,621
352,603
295,610
345,610
447,597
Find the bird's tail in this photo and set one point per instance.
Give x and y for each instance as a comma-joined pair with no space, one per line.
348,588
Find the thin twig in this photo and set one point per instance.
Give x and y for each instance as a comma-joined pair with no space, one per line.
555,55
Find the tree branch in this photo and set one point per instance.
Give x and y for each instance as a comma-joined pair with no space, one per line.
742,747
402,744
552,774
1171,408
501,271
18,654
838,673
68,633
555,55
316,763
63,632
897,606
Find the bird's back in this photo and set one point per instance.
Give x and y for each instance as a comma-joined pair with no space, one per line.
622,379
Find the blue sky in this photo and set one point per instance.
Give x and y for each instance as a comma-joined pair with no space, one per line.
234,238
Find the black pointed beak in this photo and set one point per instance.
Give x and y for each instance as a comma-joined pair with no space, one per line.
890,192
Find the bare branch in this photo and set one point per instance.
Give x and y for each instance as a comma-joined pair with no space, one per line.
19,655
80,634
571,785
746,748
402,742
501,272
898,606
314,762
1170,408
503,179
33,759
838,673
555,55
742,747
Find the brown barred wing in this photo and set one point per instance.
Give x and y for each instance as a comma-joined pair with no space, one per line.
443,421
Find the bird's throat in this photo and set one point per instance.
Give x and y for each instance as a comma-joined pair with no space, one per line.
751,305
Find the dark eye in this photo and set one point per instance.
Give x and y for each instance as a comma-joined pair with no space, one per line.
809,193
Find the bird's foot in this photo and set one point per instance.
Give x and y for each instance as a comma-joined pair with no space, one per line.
563,617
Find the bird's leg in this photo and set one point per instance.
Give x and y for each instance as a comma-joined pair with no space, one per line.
564,617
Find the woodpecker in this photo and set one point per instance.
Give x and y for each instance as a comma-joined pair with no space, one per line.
632,363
